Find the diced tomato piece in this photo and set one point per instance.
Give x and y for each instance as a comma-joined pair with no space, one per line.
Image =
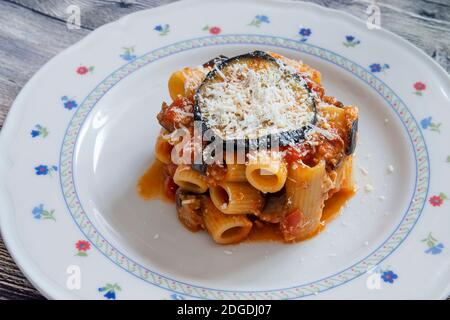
295,154
291,224
317,88
171,116
169,169
171,188
179,104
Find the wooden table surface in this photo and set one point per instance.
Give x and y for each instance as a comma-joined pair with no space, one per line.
33,31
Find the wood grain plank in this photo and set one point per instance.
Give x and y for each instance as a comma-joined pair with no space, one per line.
94,13
409,20
13,285
422,22
27,41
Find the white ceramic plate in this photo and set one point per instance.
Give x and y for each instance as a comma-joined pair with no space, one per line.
82,131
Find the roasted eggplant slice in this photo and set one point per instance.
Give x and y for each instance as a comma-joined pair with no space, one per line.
213,62
200,168
255,97
352,138
275,207
188,208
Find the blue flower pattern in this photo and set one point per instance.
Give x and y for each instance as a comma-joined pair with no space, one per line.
40,213
427,123
434,246
351,41
304,33
162,29
376,67
109,291
43,170
388,276
176,296
37,211
110,295
436,249
258,20
69,103
128,54
39,131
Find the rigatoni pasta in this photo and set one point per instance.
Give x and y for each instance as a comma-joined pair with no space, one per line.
236,198
190,180
347,183
224,228
281,149
306,190
184,82
235,172
266,171
342,177
163,150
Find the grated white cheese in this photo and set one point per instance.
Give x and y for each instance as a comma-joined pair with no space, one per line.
390,168
193,77
327,134
250,103
289,201
363,171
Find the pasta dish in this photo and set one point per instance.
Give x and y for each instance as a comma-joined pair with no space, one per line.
252,145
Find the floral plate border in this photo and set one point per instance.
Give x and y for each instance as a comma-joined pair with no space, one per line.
407,223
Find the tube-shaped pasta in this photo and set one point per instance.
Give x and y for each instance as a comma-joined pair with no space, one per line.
236,173
266,171
163,150
334,115
236,198
184,82
306,190
224,228
300,66
347,183
190,180
338,176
